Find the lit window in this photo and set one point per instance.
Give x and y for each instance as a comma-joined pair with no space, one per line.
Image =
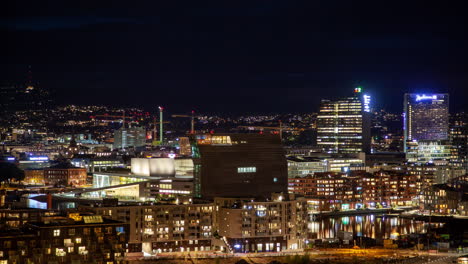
57,232
246,169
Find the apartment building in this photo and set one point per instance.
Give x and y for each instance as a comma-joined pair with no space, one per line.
262,226
164,227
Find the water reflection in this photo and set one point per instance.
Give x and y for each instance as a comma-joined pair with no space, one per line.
32,203
373,226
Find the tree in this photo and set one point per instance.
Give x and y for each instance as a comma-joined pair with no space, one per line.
9,171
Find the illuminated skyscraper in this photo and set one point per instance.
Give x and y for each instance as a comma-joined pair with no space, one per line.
343,126
459,138
426,117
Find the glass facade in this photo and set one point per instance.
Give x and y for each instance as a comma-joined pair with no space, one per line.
343,126
426,117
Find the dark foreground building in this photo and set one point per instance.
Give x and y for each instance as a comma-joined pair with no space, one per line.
238,165
75,239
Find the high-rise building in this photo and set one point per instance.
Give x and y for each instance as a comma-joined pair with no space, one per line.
426,117
239,165
129,137
343,126
184,146
459,138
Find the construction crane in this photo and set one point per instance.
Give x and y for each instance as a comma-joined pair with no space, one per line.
155,123
280,128
122,117
192,122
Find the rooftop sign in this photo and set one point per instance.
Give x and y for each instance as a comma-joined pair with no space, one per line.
367,100
425,97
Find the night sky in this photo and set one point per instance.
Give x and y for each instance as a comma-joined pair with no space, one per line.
237,56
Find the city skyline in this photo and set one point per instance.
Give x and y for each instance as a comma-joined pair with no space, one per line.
273,132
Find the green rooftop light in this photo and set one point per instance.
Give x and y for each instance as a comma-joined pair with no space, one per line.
358,89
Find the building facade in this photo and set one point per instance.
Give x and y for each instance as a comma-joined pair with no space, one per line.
343,126
34,176
262,226
426,117
65,174
58,239
358,190
129,137
164,228
239,165
304,166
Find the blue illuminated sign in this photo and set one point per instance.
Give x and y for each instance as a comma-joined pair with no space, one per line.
39,158
426,97
367,100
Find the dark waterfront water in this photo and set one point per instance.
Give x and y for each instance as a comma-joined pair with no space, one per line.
372,226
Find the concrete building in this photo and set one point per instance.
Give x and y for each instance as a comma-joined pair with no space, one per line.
139,188
343,126
164,228
34,177
358,190
95,164
77,239
262,226
65,174
440,199
439,152
17,218
238,165
304,166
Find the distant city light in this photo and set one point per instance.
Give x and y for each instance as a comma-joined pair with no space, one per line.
10,158
358,89
39,158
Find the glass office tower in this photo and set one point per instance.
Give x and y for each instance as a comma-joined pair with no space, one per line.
343,126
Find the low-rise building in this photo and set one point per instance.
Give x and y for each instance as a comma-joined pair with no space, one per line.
304,166
74,239
441,199
357,189
164,227
94,164
34,176
261,226
65,174
17,218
